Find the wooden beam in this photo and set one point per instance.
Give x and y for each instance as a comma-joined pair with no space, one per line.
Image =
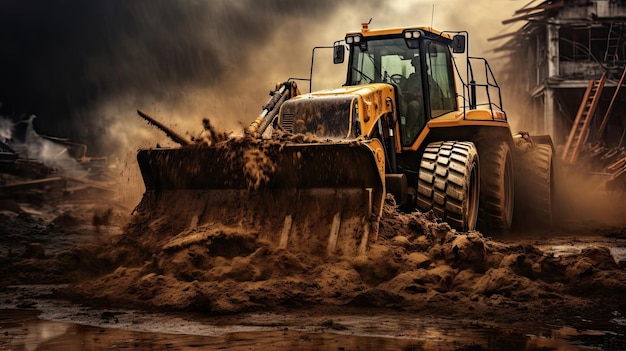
502,36
544,6
541,10
608,110
522,18
33,184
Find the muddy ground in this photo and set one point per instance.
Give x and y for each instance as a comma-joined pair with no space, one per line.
419,266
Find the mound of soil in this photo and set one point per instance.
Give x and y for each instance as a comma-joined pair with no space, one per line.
417,264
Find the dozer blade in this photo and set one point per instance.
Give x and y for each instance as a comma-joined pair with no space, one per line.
323,199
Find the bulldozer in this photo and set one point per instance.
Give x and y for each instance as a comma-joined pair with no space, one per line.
313,171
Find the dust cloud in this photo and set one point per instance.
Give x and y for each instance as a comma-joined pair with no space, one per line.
583,202
84,68
6,129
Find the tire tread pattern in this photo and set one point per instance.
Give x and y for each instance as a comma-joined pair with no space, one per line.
443,178
542,184
494,215
536,187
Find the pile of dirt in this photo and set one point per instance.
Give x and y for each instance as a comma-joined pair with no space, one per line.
179,253
417,264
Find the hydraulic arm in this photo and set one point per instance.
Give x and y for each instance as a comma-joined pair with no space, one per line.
283,92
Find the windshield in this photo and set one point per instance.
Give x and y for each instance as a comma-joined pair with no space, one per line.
383,60
391,61
425,86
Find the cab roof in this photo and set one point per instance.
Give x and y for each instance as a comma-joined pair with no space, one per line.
366,32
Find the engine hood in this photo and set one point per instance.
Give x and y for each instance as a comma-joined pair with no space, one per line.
347,112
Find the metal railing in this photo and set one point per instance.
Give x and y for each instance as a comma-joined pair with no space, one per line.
492,96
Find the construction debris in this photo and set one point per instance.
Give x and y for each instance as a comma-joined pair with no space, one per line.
608,162
566,64
12,163
35,167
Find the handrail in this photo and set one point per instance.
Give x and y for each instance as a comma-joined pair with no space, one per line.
489,83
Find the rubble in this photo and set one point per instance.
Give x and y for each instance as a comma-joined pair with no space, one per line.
36,168
609,162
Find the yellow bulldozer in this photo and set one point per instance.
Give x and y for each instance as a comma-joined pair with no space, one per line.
312,172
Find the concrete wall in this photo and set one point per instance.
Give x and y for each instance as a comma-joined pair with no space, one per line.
580,70
581,9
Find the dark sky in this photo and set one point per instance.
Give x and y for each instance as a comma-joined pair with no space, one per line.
60,57
64,59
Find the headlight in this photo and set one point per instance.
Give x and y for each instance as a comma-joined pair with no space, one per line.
412,34
353,38
411,37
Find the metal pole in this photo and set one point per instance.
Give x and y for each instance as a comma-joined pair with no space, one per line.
312,59
608,111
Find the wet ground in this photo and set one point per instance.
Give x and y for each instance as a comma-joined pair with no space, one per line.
53,324
33,318
41,246
567,242
25,330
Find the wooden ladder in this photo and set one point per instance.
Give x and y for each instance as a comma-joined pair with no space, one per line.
580,128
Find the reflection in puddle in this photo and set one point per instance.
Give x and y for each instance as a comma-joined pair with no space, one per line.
23,330
60,325
618,253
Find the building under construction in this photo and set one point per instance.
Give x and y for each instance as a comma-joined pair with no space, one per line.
567,62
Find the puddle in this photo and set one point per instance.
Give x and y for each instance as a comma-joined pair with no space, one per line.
59,325
567,245
23,330
618,253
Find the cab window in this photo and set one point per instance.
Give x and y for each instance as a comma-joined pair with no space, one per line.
440,78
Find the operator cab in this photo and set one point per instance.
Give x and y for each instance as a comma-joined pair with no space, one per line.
418,63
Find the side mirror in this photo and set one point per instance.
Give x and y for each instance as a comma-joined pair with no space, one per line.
458,44
339,52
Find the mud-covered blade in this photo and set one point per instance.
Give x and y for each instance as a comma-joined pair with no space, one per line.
318,198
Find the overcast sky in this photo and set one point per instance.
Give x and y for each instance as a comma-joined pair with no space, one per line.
84,67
